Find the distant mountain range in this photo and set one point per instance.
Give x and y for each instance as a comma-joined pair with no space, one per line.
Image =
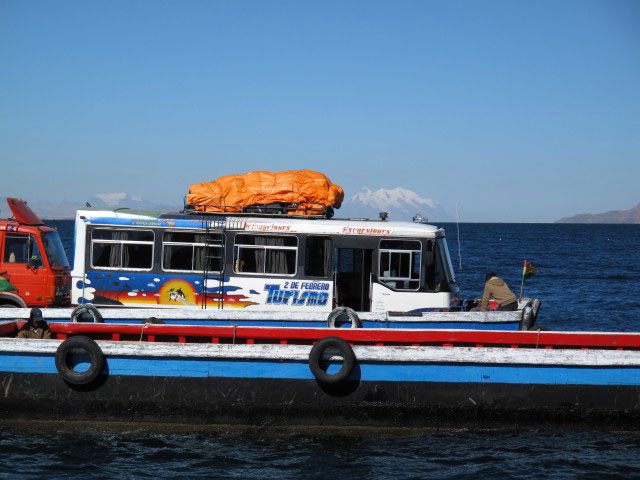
399,203
116,200
67,210
614,216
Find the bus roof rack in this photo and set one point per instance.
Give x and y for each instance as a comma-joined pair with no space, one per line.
269,210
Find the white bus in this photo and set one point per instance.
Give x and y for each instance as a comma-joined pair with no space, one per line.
133,258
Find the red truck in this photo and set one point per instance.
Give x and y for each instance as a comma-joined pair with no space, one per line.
34,270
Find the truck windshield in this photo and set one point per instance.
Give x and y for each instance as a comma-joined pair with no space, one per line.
54,249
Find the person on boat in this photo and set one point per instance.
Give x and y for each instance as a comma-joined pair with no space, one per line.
35,327
497,288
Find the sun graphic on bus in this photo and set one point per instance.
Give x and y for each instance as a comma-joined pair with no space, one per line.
177,292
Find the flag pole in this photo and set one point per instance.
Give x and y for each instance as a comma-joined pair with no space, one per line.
522,284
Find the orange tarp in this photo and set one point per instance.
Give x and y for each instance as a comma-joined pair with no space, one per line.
308,189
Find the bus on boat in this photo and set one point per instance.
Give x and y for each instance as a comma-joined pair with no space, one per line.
260,262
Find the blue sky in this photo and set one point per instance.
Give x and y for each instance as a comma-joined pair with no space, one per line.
514,111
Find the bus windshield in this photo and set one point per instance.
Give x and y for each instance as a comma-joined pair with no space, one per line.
446,261
55,251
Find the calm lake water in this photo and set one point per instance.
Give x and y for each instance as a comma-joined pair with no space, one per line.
589,279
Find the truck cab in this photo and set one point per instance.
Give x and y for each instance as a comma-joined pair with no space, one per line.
34,270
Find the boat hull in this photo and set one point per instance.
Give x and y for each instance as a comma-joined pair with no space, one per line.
273,385
259,402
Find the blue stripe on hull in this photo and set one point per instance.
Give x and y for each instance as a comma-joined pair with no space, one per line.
447,373
446,326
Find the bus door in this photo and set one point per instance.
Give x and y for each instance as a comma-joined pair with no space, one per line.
353,278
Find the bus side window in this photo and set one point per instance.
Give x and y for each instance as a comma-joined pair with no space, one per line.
318,257
192,252
266,254
399,264
111,248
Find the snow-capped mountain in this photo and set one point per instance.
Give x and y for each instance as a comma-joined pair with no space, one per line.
121,199
399,203
113,199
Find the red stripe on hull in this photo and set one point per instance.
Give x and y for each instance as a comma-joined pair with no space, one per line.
473,338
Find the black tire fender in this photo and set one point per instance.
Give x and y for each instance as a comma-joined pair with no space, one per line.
345,351
343,315
83,312
79,344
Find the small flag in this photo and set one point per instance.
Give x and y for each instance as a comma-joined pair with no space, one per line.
528,271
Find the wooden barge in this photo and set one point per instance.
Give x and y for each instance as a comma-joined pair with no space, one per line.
318,376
